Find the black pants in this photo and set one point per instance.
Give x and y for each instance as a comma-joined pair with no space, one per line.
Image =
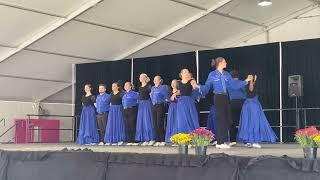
130,120
222,105
102,124
236,106
158,112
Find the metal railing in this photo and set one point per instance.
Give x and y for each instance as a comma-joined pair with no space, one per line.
29,127
297,121
4,121
72,129
8,130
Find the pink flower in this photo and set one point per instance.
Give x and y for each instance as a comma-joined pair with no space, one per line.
309,131
202,132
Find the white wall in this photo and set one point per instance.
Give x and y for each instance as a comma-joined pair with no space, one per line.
11,110
65,122
307,26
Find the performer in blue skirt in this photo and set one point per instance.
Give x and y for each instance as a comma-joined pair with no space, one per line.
145,128
254,127
88,131
115,130
172,112
212,118
187,115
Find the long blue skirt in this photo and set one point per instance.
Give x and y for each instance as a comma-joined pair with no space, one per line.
171,119
212,119
187,115
88,131
254,126
145,130
115,130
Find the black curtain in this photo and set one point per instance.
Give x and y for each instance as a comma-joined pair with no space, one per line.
262,60
168,66
97,73
301,58
84,165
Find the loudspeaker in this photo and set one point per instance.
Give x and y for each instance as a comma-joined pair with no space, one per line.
295,86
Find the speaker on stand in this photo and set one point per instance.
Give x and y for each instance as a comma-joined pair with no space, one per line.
295,90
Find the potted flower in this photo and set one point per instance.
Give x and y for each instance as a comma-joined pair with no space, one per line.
201,139
182,140
306,138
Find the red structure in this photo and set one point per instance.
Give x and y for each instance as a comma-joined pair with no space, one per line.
37,130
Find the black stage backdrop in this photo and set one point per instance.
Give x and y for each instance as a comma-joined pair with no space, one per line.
303,58
262,60
168,66
97,73
299,57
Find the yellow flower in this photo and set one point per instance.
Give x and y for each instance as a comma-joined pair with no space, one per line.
180,138
317,138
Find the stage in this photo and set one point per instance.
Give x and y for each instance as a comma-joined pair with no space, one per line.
291,150
74,162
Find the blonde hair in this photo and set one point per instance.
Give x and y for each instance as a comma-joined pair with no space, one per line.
146,76
161,80
174,81
215,62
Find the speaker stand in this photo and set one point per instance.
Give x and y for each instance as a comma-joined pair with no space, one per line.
297,115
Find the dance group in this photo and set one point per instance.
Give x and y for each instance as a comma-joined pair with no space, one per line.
139,117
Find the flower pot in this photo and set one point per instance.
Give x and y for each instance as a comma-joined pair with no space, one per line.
310,153
201,150
183,149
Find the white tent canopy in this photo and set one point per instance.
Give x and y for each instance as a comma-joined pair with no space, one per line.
40,40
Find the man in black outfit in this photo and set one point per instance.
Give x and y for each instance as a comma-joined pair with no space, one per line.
237,98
